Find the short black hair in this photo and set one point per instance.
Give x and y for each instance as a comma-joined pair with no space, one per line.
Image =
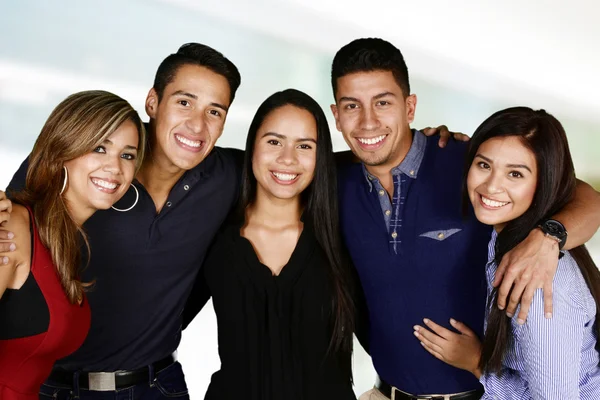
201,55
370,54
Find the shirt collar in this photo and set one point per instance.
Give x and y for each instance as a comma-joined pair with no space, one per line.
411,163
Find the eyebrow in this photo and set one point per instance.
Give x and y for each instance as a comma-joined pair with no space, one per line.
194,97
127,146
282,137
523,166
376,97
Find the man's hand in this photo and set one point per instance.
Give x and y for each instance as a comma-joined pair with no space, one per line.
445,134
5,236
527,267
461,350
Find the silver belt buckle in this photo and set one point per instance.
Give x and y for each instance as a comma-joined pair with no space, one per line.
102,381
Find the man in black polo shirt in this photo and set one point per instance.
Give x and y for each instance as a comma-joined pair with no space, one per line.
145,260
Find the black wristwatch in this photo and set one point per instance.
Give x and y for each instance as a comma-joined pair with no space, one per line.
554,229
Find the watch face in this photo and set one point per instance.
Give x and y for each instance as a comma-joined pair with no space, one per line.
553,227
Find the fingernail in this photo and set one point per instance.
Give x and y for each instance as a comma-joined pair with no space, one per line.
452,321
416,334
422,344
509,315
416,328
12,247
425,320
11,235
4,260
500,307
520,321
548,315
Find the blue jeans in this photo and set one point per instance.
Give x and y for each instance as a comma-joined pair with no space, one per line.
167,384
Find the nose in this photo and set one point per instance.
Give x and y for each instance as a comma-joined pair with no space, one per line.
494,182
196,122
368,119
287,155
112,164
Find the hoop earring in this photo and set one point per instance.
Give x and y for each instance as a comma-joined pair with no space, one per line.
137,197
65,180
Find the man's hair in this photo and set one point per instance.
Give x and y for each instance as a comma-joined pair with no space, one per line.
201,55
370,54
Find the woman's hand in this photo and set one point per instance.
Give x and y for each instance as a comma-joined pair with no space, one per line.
461,350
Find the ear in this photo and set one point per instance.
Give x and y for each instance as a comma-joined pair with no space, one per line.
152,103
334,110
411,107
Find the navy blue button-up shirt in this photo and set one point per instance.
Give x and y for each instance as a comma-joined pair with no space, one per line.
145,264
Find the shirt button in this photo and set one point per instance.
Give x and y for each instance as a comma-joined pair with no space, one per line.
381,192
441,235
412,172
394,235
169,204
186,187
370,177
388,212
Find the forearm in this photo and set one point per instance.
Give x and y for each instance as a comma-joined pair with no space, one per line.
581,216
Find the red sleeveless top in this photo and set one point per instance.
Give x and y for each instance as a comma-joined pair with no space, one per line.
26,362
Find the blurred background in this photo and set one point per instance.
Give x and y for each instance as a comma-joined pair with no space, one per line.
467,59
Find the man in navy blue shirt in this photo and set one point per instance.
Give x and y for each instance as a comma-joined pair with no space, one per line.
416,255
147,250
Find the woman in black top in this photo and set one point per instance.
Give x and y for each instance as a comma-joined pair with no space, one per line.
277,274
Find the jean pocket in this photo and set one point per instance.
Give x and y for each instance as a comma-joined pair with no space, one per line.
171,382
441,234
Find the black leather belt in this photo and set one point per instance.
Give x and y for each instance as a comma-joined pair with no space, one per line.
108,381
397,394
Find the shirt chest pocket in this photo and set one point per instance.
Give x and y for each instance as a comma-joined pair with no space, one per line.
440,234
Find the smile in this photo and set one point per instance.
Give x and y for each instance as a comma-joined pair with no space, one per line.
105,186
196,144
371,141
284,177
493,203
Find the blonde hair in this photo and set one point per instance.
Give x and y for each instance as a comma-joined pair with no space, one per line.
75,127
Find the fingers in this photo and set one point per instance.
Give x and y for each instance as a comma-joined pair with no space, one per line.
501,270
526,301
5,205
4,260
6,247
517,291
430,339
6,235
461,137
440,330
548,299
4,216
462,328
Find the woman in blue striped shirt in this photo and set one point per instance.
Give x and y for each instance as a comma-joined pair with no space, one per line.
519,171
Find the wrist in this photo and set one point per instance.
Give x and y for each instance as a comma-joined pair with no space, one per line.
554,230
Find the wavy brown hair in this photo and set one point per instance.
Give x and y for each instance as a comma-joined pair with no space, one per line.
75,127
543,134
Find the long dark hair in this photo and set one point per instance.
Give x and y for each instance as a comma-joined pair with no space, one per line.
320,211
543,134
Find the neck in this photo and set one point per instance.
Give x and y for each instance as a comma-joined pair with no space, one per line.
79,216
158,173
273,212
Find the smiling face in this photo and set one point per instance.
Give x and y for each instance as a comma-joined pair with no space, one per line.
285,153
189,118
100,178
502,180
374,117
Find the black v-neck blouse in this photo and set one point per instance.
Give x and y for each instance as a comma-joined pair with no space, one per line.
274,331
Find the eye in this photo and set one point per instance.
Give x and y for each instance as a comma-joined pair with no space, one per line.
128,156
383,103
351,106
305,146
273,142
216,113
515,174
483,165
184,103
100,149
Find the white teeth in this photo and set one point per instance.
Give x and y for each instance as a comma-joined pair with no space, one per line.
374,140
191,143
285,177
493,203
104,184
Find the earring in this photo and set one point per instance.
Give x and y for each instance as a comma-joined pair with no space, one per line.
65,180
137,197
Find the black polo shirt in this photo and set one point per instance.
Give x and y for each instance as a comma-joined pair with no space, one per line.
145,264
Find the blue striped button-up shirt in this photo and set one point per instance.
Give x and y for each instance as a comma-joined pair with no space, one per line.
550,358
